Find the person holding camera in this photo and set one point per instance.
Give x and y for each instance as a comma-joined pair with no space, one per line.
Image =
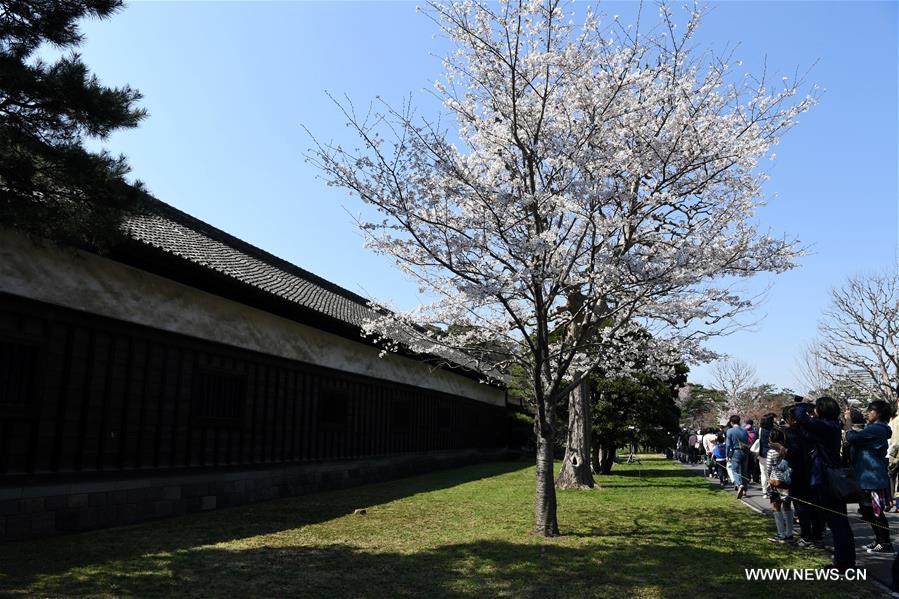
825,434
868,453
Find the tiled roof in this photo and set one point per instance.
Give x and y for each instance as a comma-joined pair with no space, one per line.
174,232
177,233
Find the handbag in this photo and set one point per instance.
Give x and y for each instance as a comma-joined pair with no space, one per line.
839,481
785,473
756,447
841,484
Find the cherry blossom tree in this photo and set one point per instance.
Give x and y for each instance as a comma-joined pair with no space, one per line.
585,181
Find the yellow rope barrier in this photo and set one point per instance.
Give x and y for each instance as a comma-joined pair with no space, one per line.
820,507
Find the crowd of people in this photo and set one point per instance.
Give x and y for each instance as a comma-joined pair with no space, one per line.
809,461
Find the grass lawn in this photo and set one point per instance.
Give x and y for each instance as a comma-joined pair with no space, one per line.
654,530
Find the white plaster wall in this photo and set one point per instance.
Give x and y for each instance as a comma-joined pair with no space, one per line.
101,286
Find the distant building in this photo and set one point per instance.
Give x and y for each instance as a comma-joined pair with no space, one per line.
189,370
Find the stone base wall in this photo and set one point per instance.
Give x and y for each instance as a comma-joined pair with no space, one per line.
30,511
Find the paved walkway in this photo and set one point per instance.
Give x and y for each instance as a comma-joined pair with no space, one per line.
879,566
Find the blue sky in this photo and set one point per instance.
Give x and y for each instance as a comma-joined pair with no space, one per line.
229,85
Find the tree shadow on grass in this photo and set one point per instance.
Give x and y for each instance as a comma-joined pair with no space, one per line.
645,484
654,554
668,524
649,469
652,478
485,568
28,560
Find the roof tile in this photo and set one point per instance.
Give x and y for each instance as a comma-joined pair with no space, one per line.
177,233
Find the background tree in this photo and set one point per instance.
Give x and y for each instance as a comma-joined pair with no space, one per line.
575,472
766,398
739,383
50,185
638,409
700,406
649,359
814,373
859,335
587,181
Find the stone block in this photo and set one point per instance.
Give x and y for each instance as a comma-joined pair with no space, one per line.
126,513
89,518
126,501
9,507
43,524
144,511
135,495
233,499
16,528
56,502
162,509
78,501
194,490
106,516
116,497
66,520
33,505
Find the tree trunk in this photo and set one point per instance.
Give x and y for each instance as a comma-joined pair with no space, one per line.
594,456
545,522
575,472
607,458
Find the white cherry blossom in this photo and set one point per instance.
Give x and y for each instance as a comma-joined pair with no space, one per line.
599,181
